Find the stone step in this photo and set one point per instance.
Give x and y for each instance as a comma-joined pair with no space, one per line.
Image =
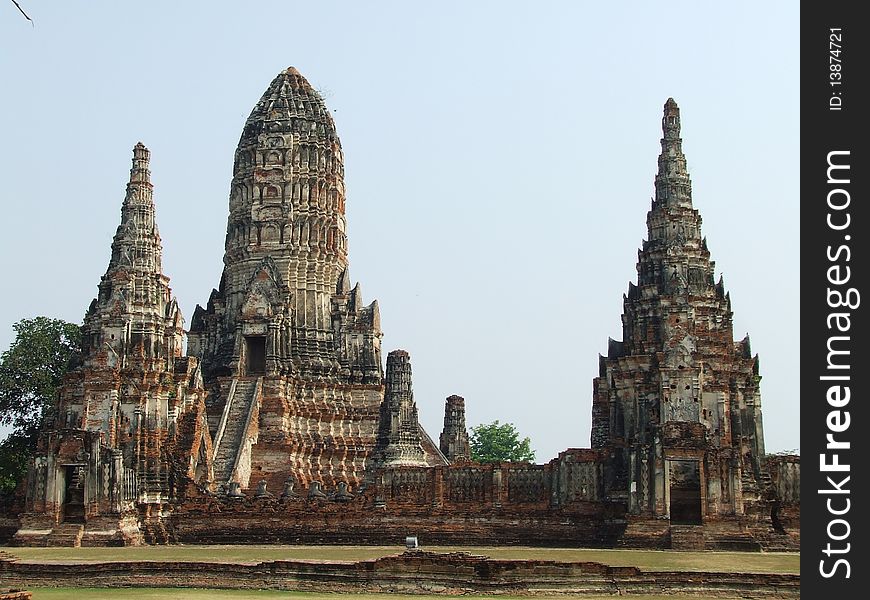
155,533
234,430
744,543
778,542
688,537
66,535
645,533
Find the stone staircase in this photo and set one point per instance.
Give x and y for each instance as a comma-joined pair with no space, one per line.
152,484
755,489
736,543
232,427
688,537
778,542
154,532
67,535
645,532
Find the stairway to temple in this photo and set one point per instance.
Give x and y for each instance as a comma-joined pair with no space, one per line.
645,532
151,483
765,480
67,535
753,487
687,537
154,532
773,541
233,426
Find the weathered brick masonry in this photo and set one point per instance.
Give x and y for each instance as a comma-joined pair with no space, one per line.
548,505
281,425
409,573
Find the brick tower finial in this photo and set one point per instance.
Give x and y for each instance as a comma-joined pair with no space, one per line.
137,241
671,120
139,173
672,183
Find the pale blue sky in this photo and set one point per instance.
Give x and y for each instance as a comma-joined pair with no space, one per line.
499,156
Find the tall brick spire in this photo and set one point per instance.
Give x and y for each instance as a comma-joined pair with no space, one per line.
674,260
129,407
677,378
132,331
134,317
672,220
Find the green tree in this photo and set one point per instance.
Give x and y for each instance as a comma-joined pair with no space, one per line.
499,442
31,372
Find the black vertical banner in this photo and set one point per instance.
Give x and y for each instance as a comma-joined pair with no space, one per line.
835,225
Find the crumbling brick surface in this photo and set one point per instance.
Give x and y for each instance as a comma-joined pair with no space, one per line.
286,312
677,393
410,573
281,425
507,503
454,441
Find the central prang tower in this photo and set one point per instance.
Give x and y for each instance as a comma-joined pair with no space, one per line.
291,354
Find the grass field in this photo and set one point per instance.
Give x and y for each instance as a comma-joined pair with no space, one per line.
196,594
652,560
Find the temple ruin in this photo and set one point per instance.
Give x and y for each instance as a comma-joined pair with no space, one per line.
281,425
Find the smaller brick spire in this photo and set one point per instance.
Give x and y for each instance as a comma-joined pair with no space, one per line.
134,317
454,437
399,430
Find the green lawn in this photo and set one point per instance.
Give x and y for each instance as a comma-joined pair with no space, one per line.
654,560
198,594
